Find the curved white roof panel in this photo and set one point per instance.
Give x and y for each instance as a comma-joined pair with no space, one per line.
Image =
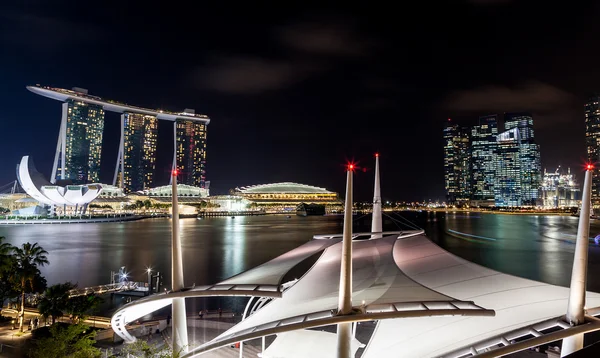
517,302
61,94
283,188
36,186
376,280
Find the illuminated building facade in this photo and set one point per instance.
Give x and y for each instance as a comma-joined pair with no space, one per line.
529,156
457,164
139,154
592,142
80,140
79,157
507,186
280,197
559,190
190,137
483,154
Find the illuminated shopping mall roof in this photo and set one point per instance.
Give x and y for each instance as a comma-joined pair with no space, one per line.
62,94
282,188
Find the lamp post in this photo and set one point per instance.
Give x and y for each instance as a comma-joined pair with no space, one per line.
149,272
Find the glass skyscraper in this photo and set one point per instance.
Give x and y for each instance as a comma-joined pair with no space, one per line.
140,136
529,153
507,186
592,142
483,151
457,164
83,147
191,152
518,167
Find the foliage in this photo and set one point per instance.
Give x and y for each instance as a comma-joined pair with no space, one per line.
142,349
55,300
78,306
26,275
7,288
74,341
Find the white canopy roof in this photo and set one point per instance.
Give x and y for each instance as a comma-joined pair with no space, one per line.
303,343
518,302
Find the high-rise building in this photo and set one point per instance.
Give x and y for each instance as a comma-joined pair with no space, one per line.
507,186
483,149
592,142
139,159
191,151
457,164
529,155
80,140
84,125
559,190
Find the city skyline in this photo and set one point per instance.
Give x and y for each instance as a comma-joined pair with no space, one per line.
287,91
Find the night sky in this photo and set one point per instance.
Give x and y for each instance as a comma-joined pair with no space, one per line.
295,92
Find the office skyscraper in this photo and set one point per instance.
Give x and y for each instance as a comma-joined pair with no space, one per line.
507,186
457,164
592,142
191,151
483,149
139,151
82,146
529,153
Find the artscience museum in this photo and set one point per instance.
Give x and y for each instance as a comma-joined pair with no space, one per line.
62,197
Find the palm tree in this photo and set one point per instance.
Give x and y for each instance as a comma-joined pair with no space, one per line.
27,259
55,300
6,265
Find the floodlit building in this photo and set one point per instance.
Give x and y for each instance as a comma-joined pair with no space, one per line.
286,196
457,163
80,140
507,186
483,152
592,142
183,190
529,155
191,151
138,161
66,198
559,190
79,153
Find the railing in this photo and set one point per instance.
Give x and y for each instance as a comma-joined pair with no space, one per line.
111,287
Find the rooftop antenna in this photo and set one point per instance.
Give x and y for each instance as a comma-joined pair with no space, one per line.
575,310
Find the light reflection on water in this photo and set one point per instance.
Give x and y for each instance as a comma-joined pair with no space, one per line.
530,246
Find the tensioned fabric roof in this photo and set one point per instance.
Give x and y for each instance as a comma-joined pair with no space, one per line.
414,269
376,280
517,302
283,188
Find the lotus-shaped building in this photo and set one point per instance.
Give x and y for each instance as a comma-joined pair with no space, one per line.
34,184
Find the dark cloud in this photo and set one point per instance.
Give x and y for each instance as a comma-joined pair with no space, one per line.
43,33
251,75
530,96
326,37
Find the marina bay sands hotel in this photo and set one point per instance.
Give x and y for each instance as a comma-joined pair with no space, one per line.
79,144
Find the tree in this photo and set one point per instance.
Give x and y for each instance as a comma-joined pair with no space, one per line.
78,306
142,349
27,276
76,341
55,300
6,269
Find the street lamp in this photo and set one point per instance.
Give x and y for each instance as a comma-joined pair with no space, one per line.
149,272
